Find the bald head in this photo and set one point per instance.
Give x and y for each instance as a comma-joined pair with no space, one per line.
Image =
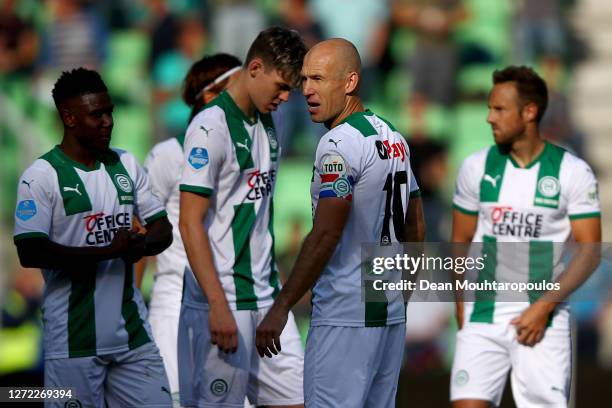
340,54
331,80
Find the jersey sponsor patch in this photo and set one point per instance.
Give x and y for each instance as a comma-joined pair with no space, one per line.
261,184
101,228
26,209
387,150
198,157
334,180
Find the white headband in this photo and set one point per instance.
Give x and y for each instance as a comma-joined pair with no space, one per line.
218,80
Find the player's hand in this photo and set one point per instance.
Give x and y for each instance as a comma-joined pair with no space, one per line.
269,330
459,314
120,243
223,329
531,324
137,247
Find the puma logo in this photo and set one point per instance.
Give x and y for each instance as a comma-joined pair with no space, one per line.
74,189
206,130
334,142
27,183
244,145
492,180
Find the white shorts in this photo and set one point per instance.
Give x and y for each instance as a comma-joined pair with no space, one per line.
164,327
353,367
209,377
133,378
484,354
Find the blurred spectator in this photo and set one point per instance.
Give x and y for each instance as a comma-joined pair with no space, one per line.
427,335
591,306
164,29
21,358
429,160
557,124
296,15
75,37
604,324
302,134
538,30
168,73
434,63
117,13
235,25
363,22
18,41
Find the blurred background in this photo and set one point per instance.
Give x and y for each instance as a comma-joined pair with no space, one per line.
427,68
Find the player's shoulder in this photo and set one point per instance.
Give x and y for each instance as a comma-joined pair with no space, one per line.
211,121
569,158
127,159
572,165
340,139
357,126
210,113
39,165
344,137
123,155
165,154
165,149
376,119
477,159
40,170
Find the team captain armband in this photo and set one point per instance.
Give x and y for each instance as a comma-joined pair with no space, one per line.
335,181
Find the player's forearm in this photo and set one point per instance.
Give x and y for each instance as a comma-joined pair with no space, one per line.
414,226
158,236
580,268
43,253
317,249
139,270
199,254
461,241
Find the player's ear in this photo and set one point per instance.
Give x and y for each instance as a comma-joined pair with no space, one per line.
530,112
209,96
255,66
352,83
67,117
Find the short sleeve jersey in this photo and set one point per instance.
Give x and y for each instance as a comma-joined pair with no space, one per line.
533,205
365,160
234,161
164,166
93,309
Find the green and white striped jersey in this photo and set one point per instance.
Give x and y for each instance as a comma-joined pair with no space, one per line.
367,161
93,309
234,161
531,205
